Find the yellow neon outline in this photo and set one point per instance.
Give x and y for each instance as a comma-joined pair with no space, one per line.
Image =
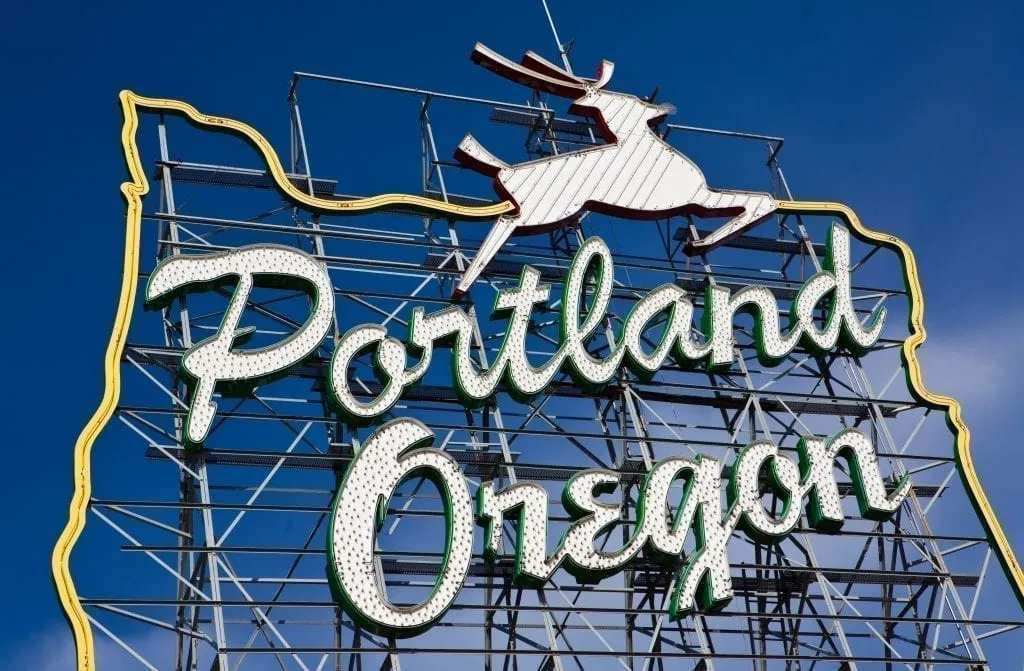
59,561
131,102
915,382
134,190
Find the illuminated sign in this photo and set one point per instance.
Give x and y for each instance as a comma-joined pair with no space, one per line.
398,450
636,175
215,361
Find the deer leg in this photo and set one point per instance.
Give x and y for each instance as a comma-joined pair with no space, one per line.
492,244
471,154
756,208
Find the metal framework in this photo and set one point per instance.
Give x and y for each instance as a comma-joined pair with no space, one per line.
232,538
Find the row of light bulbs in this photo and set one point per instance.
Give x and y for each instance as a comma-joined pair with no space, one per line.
217,360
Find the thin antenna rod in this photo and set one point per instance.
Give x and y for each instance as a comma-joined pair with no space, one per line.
561,49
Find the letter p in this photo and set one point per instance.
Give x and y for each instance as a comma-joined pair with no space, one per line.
213,361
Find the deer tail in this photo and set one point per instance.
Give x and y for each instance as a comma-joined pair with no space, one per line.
756,208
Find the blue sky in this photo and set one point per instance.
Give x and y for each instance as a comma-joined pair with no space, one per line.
912,115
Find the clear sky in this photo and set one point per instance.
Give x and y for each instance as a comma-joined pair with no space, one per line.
913,115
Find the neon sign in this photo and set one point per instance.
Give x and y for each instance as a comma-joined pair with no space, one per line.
618,178
216,362
635,175
399,449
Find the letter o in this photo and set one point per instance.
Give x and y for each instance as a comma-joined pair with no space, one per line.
387,458
744,490
389,364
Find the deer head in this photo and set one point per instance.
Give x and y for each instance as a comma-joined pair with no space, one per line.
588,95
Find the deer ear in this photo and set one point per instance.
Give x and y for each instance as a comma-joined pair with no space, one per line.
604,74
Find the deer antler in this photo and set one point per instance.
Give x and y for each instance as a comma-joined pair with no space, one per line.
535,72
538,63
545,67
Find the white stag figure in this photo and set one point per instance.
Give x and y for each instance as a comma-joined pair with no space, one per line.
637,175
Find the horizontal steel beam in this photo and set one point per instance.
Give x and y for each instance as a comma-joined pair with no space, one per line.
662,392
756,243
478,464
223,175
554,607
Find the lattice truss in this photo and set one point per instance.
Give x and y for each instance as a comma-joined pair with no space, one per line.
216,559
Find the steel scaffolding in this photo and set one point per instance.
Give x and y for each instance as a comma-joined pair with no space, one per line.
228,543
